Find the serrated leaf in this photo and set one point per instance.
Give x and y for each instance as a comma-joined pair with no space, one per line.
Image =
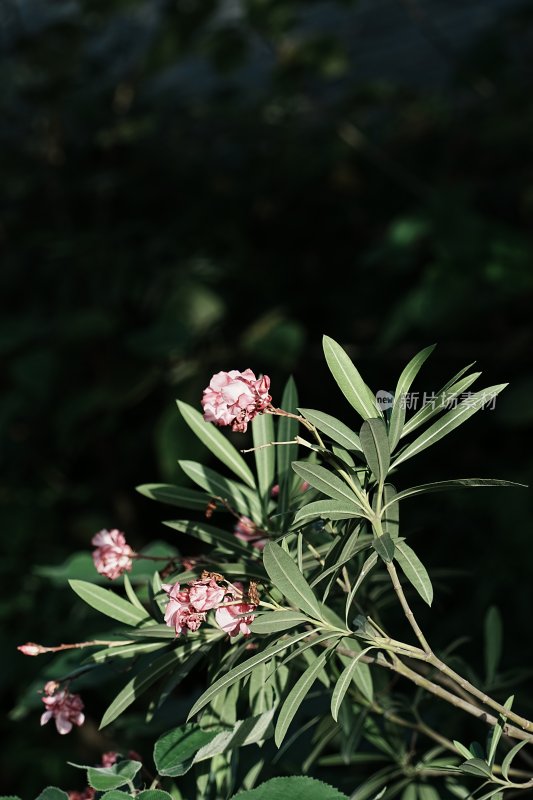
286,454
493,642
293,788
414,571
52,793
349,380
402,387
343,683
449,392
116,794
276,621
217,443
148,676
109,603
333,428
384,547
265,457
152,794
288,579
508,760
120,774
375,444
174,495
329,509
326,482
175,750
457,483
241,670
296,696
447,423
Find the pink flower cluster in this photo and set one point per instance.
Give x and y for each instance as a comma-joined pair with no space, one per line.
247,531
187,608
64,707
235,398
112,555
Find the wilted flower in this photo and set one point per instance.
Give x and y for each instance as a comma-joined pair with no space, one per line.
235,398
180,614
112,555
230,617
66,708
247,531
205,594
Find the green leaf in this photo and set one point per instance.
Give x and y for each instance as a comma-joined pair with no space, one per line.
109,603
174,495
218,486
442,486
464,410
391,520
493,642
276,621
447,394
497,731
148,676
476,766
121,773
402,387
217,443
286,454
375,444
343,683
333,428
326,482
127,651
384,547
132,597
349,380
152,794
265,458
175,750
116,794
329,509
52,793
464,751
245,732
293,788
211,535
369,564
241,670
362,677
414,571
508,760
296,696
288,579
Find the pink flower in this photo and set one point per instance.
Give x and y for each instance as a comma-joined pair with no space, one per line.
180,614
87,794
31,649
109,758
247,531
65,707
112,555
205,594
230,617
274,492
235,398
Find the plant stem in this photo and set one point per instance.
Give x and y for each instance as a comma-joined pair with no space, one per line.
407,609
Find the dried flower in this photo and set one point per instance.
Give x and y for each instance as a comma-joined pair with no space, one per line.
112,555
235,398
180,614
64,707
236,617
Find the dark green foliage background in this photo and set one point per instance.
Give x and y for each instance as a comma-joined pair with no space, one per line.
170,208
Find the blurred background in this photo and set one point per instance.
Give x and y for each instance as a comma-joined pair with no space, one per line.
196,185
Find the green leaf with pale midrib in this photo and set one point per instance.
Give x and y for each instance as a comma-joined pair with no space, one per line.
414,571
174,495
287,578
217,443
332,427
326,482
212,535
349,380
287,429
296,696
109,603
343,683
218,486
448,393
330,509
402,387
276,621
375,444
265,457
457,483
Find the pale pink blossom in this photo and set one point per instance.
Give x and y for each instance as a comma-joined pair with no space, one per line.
205,594
109,758
235,398
112,555
31,649
64,707
230,617
180,614
247,531
274,492
304,486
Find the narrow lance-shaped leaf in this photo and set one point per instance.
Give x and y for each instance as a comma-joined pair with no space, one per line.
414,571
442,486
333,428
375,444
212,535
402,387
369,564
349,380
217,443
464,410
326,482
343,683
109,603
329,509
174,495
493,642
238,495
286,454
384,547
508,760
265,457
288,579
437,402
497,731
296,696
390,519
276,621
